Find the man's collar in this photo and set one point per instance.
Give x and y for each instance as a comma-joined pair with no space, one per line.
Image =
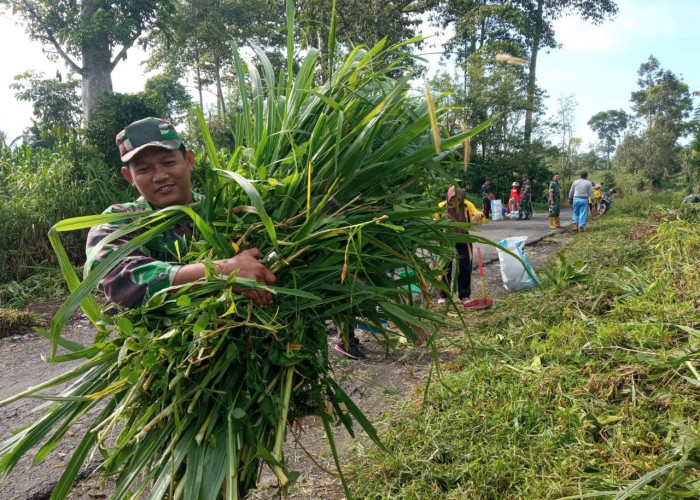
195,198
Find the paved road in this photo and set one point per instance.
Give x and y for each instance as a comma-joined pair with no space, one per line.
534,228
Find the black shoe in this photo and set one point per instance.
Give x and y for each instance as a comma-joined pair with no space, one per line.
354,350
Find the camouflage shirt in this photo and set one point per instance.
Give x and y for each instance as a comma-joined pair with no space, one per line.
555,189
525,194
146,271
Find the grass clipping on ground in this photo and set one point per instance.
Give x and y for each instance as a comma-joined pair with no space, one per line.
586,388
11,320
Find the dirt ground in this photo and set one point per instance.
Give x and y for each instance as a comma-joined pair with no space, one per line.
378,384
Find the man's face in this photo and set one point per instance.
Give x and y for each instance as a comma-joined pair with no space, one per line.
556,177
488,183
524,178
162,176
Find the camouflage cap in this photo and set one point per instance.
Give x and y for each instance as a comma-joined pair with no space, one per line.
144,133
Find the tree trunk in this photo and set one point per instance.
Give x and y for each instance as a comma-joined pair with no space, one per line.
198,70
221,107
321,45
532,76
97,64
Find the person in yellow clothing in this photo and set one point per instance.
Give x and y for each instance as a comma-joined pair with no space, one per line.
597,193
466,212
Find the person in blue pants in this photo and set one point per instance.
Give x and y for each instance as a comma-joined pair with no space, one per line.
581,190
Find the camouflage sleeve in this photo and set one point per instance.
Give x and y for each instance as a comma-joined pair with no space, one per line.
138,276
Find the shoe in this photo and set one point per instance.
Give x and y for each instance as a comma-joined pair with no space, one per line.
465,300
551,223
558,223
354,350
574,226
442,301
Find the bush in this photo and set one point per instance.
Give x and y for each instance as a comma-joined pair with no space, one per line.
116,111
642,204
40,187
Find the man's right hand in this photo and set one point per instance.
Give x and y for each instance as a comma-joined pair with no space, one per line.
249,266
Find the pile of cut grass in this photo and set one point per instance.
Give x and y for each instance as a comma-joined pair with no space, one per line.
585,388
12,320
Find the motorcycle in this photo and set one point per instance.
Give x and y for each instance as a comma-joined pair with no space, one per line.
606,200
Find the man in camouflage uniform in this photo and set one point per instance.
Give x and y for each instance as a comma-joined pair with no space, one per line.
554,198
159,165
525,199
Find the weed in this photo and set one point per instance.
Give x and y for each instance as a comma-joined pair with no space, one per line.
45,284
561,274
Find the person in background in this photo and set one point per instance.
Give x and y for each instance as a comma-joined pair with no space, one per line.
157,163
348,344
513,198
460,210
579,194
486,196
525,199
554,199
597,194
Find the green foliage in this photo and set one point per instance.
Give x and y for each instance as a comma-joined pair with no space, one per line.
88,31
582,391
195,40
609,125
42,284
562,274
644,204
40,187
663,103
55,104
358,22
116,111
168,87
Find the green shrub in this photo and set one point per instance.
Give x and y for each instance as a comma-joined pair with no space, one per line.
116,111
38,188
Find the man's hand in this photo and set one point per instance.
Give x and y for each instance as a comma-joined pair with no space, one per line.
249,266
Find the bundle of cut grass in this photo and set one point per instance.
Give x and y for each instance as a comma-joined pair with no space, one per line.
198,385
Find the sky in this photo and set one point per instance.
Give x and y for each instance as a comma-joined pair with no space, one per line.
597,64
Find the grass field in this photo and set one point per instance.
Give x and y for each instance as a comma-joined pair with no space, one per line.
584,388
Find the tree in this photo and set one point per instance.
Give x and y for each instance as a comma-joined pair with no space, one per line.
609,125
539,32
196,39
358,22
564,124
172,91
55,104
114,112
519,28
664,105
663,99
91,36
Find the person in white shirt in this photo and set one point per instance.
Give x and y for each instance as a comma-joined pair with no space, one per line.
581,190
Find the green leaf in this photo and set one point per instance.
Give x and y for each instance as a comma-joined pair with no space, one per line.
125,326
